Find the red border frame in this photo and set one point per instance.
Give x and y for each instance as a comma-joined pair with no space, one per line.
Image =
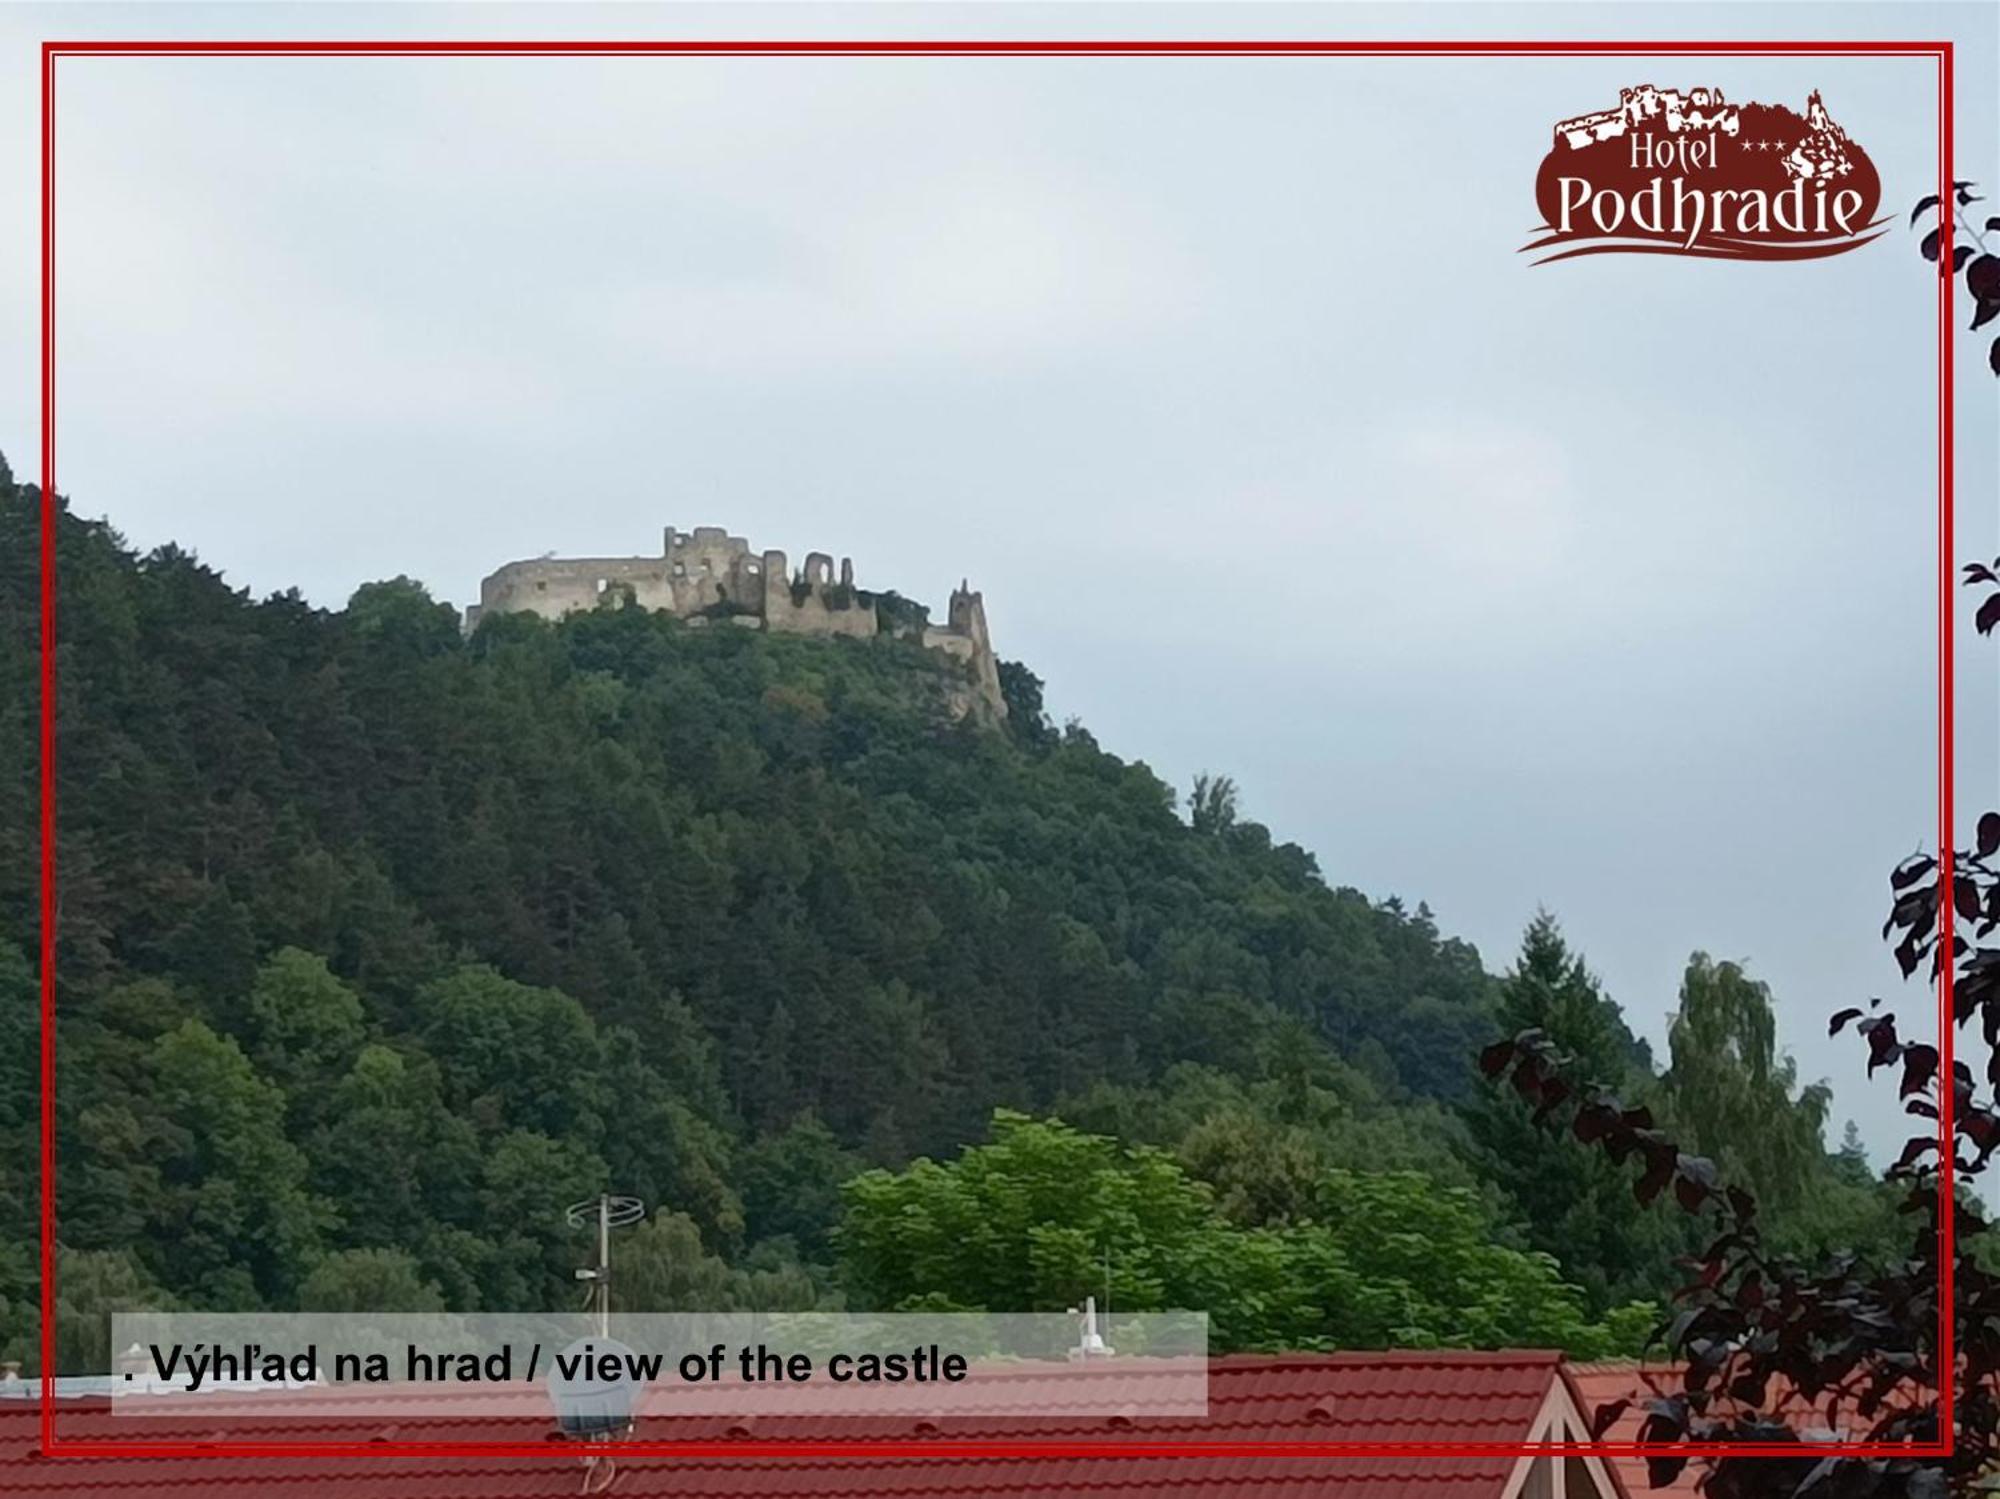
1942,51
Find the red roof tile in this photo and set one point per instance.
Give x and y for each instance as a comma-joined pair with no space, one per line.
1444,1397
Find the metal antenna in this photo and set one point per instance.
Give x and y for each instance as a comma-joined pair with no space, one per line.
607,1212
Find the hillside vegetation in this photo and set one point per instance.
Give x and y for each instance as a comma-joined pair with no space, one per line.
379,944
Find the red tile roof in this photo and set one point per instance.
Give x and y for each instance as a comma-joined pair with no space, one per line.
1421,1397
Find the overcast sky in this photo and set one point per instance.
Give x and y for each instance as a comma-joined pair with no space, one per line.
1605,586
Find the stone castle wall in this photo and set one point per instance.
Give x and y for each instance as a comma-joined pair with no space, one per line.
708,576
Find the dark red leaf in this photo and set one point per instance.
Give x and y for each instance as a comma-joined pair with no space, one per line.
1591,1122
1910,871
1981,1127
1839,1021
1989,834
1982,277
1919,1067
1661,1471
1649,1186
1914,1150
1883,1048
1554,1091
1607,1414
1906,958
1923,203
1965,897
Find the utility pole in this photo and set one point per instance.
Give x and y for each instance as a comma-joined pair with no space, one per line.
600,1290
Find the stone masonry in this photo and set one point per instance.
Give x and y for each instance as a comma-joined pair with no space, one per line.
707,576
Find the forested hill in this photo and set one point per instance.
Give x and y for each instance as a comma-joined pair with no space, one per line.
377,938
768,858
768,852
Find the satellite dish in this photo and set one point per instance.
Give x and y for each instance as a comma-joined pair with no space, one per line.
588,1404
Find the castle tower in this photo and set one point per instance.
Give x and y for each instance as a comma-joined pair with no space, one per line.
967,616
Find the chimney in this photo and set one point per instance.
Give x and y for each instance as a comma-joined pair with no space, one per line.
1090,1343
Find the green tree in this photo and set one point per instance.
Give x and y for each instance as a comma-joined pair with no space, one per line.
1431,1274
1024,1223
308,1025
660,1150
1734,1094
661,1266
1737,1099
1572,1204
791,1184
1212,803
1261,1170
235,1199
369,1280
528,1181
399,1162
1045,1214
513,1055
20,1095
92,1285
1027,718
400,614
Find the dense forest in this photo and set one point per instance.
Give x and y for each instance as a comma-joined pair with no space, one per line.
378,944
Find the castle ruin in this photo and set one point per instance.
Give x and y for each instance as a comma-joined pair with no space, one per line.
706,576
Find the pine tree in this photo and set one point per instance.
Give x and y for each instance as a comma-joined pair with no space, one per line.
1567,1202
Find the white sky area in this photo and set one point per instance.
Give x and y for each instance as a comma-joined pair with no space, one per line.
1607,585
